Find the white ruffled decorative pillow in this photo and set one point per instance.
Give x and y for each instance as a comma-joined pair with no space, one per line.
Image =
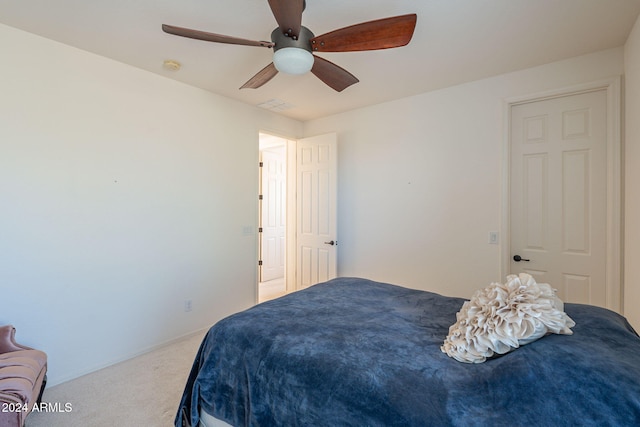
502,317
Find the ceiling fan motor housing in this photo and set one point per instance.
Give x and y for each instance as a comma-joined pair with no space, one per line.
282,40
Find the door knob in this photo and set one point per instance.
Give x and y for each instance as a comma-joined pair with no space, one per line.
518,258
331,243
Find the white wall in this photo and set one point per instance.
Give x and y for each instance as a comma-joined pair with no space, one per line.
122,194
420,179
632,178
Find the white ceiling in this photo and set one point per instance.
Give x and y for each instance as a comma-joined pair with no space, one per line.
455,41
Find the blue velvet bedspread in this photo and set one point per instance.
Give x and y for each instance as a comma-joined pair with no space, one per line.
352,352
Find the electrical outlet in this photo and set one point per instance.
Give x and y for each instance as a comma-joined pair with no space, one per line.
187,305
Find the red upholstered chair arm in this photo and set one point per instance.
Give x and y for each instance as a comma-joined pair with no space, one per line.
7,340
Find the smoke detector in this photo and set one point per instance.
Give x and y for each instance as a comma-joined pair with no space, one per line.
171,65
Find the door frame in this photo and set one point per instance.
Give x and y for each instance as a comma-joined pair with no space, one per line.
614,280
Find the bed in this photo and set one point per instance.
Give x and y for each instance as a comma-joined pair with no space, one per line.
353,352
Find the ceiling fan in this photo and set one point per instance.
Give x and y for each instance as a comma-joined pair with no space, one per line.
294,44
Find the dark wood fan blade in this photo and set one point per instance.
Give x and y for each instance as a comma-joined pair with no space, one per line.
263,76
334,76
288,14
372,35
212,37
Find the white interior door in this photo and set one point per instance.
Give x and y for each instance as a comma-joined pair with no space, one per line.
273,213
559,194
316,210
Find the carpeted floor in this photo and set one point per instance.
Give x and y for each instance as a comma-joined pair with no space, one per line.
144,391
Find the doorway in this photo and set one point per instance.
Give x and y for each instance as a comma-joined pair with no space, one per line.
272,217
297,213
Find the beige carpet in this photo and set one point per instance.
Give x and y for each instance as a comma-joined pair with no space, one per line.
144,391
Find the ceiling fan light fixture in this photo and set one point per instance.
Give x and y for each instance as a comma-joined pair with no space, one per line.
293,60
